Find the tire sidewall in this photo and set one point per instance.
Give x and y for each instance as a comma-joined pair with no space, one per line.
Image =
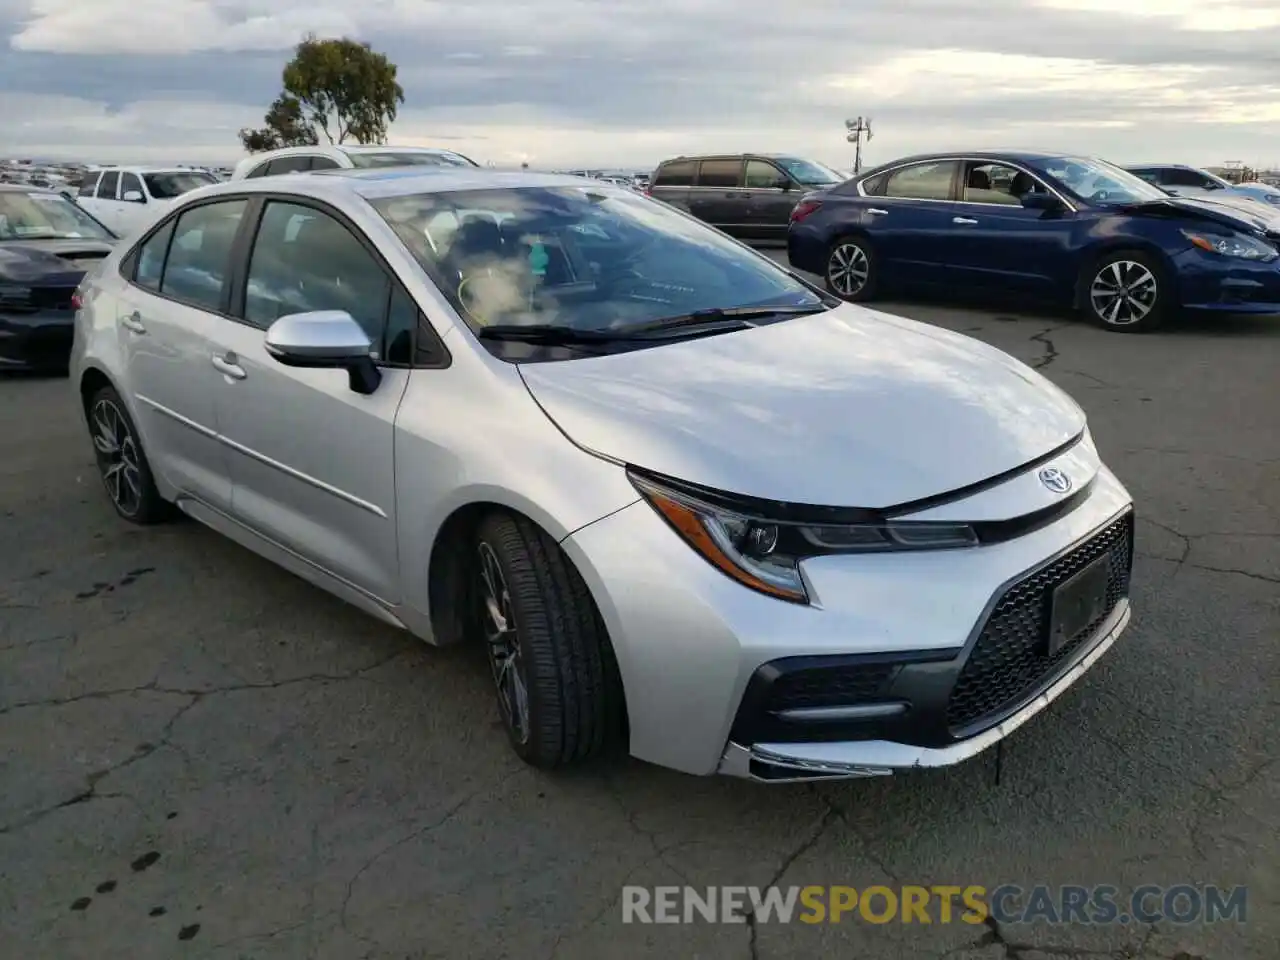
867,290
151,508
1159,311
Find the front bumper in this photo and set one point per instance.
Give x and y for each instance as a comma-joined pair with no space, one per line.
1211,282
36,341
691,643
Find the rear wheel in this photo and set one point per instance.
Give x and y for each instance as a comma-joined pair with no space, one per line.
1125,292
121,461
558,687
851,269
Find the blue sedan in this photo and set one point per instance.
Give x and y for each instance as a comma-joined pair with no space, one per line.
1045,227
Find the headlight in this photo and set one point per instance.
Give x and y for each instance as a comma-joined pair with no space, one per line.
764,552
1232,245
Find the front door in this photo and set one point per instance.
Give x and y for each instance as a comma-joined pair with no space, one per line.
167,318
1003,245
132,207
311,460
773,195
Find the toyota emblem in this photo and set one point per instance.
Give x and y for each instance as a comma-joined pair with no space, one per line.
1055,480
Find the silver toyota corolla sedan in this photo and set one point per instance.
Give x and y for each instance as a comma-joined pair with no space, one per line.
688,503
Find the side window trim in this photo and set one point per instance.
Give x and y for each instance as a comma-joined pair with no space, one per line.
242,256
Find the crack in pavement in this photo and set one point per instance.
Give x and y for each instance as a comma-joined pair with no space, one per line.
1187,542
193,697
1050,348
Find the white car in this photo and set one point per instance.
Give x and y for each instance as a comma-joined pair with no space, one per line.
122,198
344,157
684,501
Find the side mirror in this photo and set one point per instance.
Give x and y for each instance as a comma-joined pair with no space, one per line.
325,340
783,184
1033,200
134,196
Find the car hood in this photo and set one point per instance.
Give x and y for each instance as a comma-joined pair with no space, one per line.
49,261
846,408
1239,213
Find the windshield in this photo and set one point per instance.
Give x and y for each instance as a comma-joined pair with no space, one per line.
412,158
1100,182
46,216
809,173
174,183
589,258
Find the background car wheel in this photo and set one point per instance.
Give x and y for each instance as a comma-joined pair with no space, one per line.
557,681
1125,291
121,461
851,271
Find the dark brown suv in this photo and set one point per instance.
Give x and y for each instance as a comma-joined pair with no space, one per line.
748,195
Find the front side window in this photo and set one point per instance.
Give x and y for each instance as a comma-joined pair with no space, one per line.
922,181
288,165
1098,181
810,174
46,216
994,183
174,183
324,163
584,258
259,171
762,175
305,260
107,185
199,257
129,183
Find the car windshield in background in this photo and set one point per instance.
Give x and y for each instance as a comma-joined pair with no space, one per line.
1099,182
809,173
166,186
410,159
46,216
585,259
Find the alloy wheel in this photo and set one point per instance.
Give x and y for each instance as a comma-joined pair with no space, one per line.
1123,293
118,457
502,641
848,269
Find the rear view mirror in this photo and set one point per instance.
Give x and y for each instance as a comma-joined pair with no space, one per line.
1033,200
325,340
134,196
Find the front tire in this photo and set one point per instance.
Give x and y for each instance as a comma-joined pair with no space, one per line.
1126,292
851,269
122,464
557,682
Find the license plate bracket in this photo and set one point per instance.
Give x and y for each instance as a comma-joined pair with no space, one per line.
1078,602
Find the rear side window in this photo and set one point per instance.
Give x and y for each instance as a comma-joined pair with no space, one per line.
288,165
259,171
198,262
89,184
324,163
872,186
677,173
720,173
922,181
150,257
107,186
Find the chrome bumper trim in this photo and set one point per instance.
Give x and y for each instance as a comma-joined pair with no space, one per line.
870,758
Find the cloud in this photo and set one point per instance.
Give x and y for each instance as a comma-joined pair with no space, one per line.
630,81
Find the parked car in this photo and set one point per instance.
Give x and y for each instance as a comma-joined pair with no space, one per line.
344,157
749,196
1184,181
46,244
614,446
126,197
1071,230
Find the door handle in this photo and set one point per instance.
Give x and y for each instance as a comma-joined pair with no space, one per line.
133,322
227,365
877,212
963,220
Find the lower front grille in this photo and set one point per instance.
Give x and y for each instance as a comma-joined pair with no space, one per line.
834,686
1010,660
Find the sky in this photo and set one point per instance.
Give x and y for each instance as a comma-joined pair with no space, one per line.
628,82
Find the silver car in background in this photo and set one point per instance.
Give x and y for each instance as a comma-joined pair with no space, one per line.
687,502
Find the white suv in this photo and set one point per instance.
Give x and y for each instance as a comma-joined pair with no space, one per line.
345,157
124,197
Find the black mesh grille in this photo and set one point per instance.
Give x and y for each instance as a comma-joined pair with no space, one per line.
1010,659
829,686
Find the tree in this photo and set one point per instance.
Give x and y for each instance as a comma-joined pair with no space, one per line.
340,89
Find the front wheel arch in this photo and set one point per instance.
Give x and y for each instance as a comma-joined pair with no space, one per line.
1167,299
1094,255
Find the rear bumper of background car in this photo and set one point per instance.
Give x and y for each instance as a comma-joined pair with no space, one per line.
892,665
36,341
1208,281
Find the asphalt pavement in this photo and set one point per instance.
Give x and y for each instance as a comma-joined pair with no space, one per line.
202,756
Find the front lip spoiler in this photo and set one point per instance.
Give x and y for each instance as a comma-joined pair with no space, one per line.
800,762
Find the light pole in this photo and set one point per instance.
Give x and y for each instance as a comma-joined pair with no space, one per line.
856,128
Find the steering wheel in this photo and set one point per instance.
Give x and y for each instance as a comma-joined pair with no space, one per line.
1102,196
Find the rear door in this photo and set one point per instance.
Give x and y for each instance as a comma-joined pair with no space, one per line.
717,196
999,244
911,220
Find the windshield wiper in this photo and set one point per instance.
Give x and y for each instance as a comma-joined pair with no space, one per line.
547,334
738,317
